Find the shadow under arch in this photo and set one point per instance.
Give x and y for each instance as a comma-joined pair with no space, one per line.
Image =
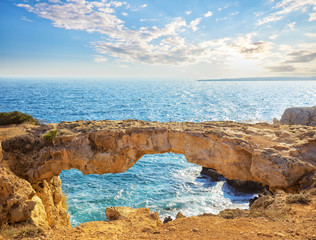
165,183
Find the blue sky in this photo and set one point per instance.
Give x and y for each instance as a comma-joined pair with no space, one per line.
191,39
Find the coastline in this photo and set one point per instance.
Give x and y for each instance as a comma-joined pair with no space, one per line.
58,220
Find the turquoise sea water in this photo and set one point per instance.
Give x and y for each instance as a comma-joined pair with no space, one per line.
164,183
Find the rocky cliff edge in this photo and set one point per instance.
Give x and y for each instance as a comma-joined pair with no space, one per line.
280,156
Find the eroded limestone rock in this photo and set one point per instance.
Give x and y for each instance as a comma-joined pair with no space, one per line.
299,116
274,155
16,202
140,216
51,196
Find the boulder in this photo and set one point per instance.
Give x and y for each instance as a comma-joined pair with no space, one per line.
299,116
142,216
180,215
212,173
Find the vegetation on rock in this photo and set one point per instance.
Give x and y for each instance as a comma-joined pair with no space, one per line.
8,118
22,231
50,136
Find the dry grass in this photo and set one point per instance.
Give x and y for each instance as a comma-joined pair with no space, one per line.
20,231
64,202
298,198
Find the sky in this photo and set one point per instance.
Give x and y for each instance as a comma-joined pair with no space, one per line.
185,39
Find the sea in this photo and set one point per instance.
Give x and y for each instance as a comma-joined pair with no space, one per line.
165,183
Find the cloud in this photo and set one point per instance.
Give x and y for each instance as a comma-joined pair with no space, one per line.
151,45
252,49
188,12
100,59
26,19
148,20
125,14
291,26
194,24
208,14
312,16
143,6
302,56
80,15
282,68
117,4
286,7
258,14
312,35
255,47
274,36
222,8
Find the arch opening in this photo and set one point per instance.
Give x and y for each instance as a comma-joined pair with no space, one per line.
165,183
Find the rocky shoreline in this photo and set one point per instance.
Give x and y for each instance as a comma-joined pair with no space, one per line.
252,157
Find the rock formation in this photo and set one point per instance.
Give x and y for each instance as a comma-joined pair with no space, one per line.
134,216
239,185
277,156
283,157
299,116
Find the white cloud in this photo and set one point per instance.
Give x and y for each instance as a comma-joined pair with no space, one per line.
26,19
100,59
312,35
188,12
79,16
125,14
117,4
312,16
148,20
220,9
26,6
274,36
143,6
194,24
258,14
288,6
208,14
291,26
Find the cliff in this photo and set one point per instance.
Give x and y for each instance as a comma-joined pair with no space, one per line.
281,156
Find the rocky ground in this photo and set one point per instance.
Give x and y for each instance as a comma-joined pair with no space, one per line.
281,221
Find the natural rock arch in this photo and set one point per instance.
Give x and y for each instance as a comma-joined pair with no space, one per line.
270,154
282,157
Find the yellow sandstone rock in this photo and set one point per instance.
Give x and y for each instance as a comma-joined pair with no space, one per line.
281,156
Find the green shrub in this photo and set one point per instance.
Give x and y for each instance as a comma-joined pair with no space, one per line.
50,136
7,118
298,198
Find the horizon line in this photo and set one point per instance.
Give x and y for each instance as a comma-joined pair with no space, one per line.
258,79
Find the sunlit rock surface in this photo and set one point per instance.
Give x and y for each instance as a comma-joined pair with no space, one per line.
299,116
280,156
274,155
